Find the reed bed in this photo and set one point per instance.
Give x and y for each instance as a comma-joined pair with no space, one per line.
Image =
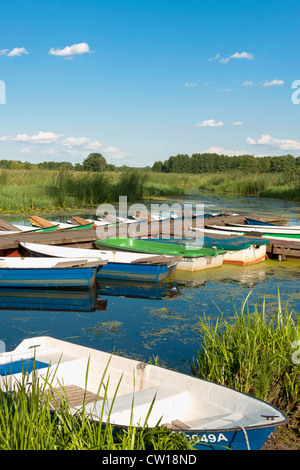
257,353
41,190
45,190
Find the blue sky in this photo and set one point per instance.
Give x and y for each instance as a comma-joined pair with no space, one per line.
139,80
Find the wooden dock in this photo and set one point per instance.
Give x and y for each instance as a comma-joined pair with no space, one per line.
240,219
85,237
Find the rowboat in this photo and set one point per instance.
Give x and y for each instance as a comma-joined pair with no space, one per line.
43,272
228,233
256,222
271,229
285,232
238,250
123,392
194,258
120,265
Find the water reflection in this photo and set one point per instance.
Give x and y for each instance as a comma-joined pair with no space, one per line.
155,290
51,300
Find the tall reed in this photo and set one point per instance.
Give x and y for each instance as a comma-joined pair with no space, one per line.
253,353
28,421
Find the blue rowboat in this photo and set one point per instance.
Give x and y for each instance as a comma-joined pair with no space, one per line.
120,265
46,272
124,392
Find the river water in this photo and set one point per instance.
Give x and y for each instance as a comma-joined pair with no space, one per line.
147,321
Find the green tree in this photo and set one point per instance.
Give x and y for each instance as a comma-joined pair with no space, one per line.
94,162
157,166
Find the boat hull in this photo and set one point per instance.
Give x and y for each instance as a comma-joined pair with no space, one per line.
200,263
237,439
137,272
248,256
119,266
48,278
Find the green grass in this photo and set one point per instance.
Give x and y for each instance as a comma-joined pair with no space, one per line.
27,423
44,190
41,190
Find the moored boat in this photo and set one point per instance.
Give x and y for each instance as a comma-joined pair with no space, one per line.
194,258
238,250
125,392
46,272
120,265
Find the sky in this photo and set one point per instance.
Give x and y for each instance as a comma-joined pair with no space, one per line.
141,80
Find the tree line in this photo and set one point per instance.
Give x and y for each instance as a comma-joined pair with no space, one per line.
213,162
94,162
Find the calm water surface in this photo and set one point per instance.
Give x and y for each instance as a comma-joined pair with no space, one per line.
161,320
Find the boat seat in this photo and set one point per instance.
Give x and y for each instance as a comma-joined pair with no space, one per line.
136,406
75,396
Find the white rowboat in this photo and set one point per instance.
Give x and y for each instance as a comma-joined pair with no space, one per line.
125,392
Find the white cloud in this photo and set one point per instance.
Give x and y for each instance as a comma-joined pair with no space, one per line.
237,55
26,150
283,144
190,84
237,123
248,83
215,58
16,52
226,90
274,83
209,123
222,151
4,138
114,152
82,142
40,138
70,51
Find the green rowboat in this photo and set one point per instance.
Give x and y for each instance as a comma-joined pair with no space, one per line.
159,248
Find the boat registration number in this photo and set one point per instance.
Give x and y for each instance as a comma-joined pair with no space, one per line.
210,438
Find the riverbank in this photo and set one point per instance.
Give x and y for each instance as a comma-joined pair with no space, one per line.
24,191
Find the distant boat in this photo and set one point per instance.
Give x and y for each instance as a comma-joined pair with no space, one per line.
125,392
257,222
270,228
120,265
268,232
47,272
194,258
